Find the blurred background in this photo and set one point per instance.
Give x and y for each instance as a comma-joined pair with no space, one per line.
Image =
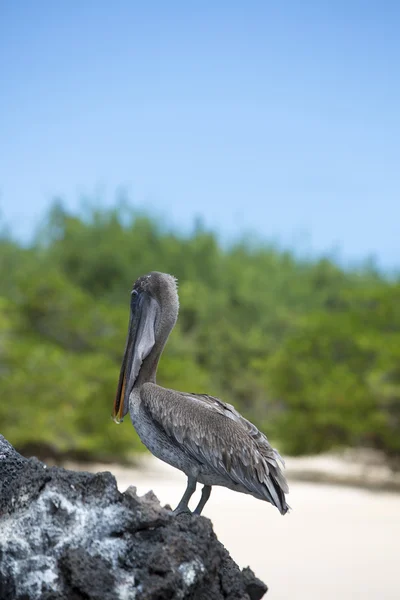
252,150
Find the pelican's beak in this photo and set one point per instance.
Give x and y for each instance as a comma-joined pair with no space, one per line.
121,402
139,343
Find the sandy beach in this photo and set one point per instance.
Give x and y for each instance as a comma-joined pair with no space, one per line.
337,542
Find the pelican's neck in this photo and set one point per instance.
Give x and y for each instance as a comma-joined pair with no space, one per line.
148,370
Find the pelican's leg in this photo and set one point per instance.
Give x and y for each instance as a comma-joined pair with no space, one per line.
205,494
183,504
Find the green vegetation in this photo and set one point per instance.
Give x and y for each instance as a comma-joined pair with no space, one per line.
309,351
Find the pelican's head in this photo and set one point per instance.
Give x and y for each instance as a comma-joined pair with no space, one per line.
153,313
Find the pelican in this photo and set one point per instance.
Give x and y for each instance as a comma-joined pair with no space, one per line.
202,436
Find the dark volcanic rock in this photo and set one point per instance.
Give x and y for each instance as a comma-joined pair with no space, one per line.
68,535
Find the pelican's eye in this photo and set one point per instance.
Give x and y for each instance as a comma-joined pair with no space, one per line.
134,297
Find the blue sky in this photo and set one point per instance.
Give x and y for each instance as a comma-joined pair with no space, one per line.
279,118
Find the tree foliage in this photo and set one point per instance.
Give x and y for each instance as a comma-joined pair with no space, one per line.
306,349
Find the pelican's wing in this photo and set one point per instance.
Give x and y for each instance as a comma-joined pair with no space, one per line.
214,433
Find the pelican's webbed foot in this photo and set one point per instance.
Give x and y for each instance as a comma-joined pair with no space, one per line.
181,510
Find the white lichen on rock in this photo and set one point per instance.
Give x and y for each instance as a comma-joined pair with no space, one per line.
190,570
77,525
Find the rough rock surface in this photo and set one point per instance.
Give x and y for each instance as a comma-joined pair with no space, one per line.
69,535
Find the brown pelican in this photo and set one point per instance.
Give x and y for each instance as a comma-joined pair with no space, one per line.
200,435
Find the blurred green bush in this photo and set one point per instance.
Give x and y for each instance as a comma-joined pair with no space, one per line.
309,351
